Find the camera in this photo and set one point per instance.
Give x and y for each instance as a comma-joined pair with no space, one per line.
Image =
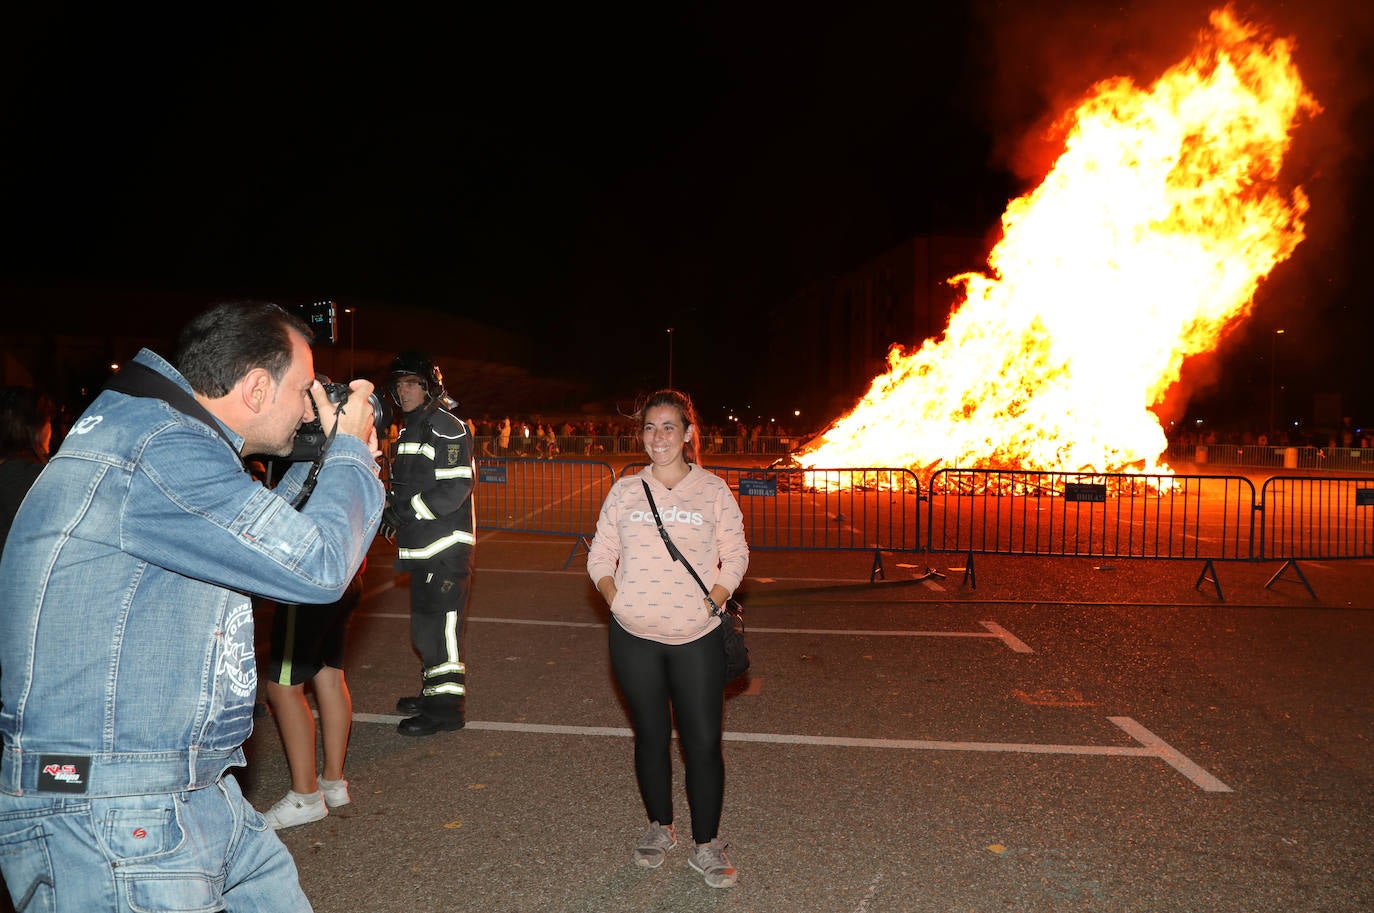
310,437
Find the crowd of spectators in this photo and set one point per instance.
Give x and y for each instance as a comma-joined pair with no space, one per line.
1348,437
539,438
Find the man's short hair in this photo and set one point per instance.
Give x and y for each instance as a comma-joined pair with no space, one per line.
223,343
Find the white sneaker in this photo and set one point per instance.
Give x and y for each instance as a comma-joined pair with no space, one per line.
335,794
294,808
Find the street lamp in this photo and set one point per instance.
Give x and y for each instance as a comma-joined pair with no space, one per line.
670,358
1273,356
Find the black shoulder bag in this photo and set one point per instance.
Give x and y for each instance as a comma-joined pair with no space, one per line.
731,614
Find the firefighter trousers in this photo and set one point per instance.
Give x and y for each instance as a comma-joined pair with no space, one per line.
438,615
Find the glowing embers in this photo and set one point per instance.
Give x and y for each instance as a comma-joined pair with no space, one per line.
1143,244
1072,487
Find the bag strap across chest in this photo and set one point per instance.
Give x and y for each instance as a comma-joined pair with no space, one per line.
668,541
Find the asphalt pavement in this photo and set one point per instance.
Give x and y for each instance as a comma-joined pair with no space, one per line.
1027,734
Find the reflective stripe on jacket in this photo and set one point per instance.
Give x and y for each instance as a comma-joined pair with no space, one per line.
432,480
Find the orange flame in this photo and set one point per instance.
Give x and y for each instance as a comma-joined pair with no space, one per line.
1144,243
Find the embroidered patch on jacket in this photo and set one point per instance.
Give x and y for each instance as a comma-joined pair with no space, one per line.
454,454
63,773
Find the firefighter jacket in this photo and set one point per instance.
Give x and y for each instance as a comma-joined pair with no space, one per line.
432,481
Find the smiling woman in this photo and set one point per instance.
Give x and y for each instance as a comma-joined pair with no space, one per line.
665,639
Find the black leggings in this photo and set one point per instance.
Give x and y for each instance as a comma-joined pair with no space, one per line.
690,677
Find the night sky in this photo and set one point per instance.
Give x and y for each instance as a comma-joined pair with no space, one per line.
588,177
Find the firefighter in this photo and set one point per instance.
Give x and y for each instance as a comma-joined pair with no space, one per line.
431,519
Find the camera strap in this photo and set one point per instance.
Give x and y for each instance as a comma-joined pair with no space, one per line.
308,486
137,379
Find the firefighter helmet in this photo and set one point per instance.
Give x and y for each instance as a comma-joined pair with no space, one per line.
422,366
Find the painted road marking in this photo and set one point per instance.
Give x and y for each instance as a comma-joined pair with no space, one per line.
1150,745
1171,756
391,584
994,630
1011,640
868,895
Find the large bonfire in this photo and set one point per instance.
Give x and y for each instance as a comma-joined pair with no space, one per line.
1145,241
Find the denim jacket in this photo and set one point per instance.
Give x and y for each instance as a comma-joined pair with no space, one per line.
126,630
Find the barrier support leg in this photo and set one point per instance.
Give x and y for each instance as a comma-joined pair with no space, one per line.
970,578
580,543
1293,563
1209,573
877,571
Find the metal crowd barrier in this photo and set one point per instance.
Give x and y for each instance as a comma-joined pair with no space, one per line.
833,509
554,497
1283,456
1305,517
1103,515
984,511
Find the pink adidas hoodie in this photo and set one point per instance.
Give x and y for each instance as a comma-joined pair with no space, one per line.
656,597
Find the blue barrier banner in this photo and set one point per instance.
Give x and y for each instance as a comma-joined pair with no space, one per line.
759,488
495,474
1364,497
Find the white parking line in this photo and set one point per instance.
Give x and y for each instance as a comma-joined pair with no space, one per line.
994,630
581,572
1171,756
1015,643
1151,745
868,895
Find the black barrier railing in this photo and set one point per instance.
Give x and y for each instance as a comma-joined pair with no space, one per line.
555,497
1104,515
1009,512
1305,517
833,509
1284,456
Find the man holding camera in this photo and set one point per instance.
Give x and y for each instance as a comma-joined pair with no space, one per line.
126,631
431,517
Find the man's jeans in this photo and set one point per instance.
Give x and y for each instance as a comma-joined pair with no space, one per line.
190,852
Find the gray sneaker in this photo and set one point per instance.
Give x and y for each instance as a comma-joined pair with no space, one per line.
709,859
654,845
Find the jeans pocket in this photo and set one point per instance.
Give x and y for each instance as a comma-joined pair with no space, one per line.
171,893
138,828
28,868
253,819
155,867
